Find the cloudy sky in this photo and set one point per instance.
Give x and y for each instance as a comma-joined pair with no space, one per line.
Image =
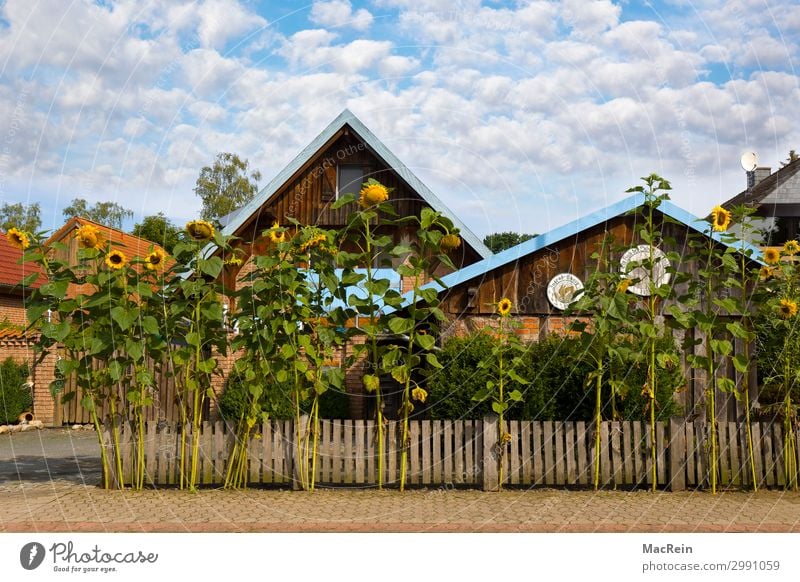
519,115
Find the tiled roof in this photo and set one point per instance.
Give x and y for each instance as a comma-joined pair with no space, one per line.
757,193
131,245
12,273
13,333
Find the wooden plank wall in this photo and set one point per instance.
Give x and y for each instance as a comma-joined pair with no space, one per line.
451,454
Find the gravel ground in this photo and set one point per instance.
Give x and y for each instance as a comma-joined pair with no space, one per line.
50,456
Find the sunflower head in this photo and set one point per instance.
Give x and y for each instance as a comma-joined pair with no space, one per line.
88,236
623,285
373,193
787,308
720,219
765,273
315,240
790,247
199,230
155,260
504,306
419,394
18,239
275,234
450,242
506,438
116,259
771,256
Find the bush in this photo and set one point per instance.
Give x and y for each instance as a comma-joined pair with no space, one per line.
15,398
555,390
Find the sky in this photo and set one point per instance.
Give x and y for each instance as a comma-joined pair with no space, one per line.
519,115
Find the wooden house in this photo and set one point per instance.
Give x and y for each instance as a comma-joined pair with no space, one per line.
541,274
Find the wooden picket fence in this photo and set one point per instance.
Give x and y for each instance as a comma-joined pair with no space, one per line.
465,453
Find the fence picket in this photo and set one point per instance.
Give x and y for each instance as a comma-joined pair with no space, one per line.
615,430
436,447
582,454
415,468
470,468
448,473
549,460
766,446
777,447
527,459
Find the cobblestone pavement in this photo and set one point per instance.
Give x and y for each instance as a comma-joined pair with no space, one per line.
72,507
47,484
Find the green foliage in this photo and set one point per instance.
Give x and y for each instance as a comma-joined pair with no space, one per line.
24,217
107,213
500,241
158,229
15,397
225,185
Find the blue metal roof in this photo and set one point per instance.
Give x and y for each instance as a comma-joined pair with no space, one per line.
572,229
347,118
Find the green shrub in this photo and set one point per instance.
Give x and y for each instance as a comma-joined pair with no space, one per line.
15,398
556,379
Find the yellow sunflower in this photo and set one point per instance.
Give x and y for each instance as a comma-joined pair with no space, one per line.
506,438
314,241
771,256
373,193
790,247
88,236
116,259
720,219
18,239
787,308
155,260
765,273
623,285
450,242
276,235
504,306
419,394
199,230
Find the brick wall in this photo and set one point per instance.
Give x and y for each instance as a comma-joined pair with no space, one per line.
21,350
12,310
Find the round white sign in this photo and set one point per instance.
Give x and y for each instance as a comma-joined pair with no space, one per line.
639,274
563,289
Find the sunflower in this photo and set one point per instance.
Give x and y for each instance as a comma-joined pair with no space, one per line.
314,241
623,285
155,260
450,242
419,394
720,219
18,239
787,308
771,256
504,306
199,230
373,193
116,259
88,236
790,247
506,438
274,235
765,273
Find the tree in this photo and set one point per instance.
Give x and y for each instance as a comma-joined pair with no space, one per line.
106,213
500,241
19,216
158,229
225,186
793,156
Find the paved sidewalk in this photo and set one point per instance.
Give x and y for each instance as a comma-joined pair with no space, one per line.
71,507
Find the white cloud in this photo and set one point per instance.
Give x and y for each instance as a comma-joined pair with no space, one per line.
335,13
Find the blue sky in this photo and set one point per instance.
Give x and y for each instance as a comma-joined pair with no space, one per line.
519,115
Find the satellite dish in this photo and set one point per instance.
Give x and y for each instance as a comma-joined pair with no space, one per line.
749,161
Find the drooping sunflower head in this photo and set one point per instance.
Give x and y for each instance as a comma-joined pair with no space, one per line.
373,193
88,236
504,306
277,235
790,247
720,219
419,394
155,260
18,239
771,256
314,240
116,259
765,273
199,230
450,242
623,285
787,308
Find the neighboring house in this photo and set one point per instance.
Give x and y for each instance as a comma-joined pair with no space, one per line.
15,341
540,275
776,197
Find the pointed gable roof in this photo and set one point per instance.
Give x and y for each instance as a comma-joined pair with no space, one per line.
347,119
756,195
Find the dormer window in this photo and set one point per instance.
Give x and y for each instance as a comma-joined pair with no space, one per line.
349,179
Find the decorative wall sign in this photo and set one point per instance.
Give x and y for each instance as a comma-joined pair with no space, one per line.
563,289
639,273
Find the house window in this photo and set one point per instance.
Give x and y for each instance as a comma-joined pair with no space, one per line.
348,179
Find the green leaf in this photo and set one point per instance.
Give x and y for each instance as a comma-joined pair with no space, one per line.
55,289
115,370
150,325
426,342
123,316
211,267
741,363
343,200
207,366
516,377
515,395
499,407
482,394
738,331
371,382
401,325
401,374
433,361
